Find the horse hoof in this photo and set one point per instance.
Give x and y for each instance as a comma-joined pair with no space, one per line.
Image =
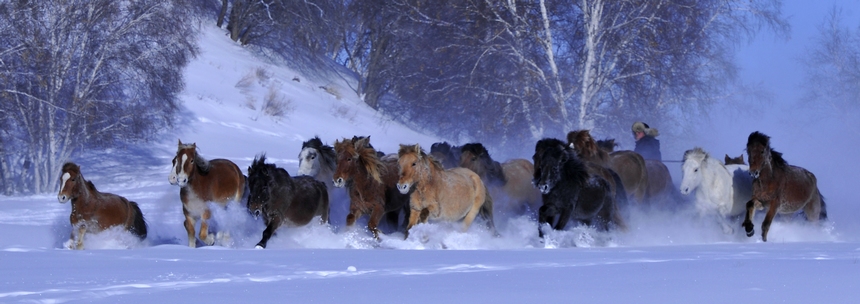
750,233
259,247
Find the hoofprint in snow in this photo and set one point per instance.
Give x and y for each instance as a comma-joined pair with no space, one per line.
666,257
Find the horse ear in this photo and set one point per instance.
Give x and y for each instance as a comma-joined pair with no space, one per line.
180,142
417,148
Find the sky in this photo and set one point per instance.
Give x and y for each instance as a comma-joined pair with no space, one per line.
665,257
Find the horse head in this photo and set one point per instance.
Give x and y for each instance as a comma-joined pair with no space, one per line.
310,158
734,160
694,161
186,163
607,145
763,158
445,153
70,183
347,162
550,155
414,164
259,180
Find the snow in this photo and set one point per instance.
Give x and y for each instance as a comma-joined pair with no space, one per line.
663,257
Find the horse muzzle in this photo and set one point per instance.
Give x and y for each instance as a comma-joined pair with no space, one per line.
544,188
755,174
63,198
339,182
403,188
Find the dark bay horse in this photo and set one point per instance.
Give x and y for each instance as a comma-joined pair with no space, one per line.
569,191
629,165
451,195
202,181
587,150
94,211
283,199
446,154
509,182
370,182
779,187
660,190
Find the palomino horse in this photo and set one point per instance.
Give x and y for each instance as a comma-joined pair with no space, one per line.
509,182
446,154
779,187
721,191
369,181
587,150
735,160
201,181
94,211
283,199
629,165
570,191
453,194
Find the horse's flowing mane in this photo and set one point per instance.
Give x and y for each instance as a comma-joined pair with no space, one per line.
585,145
764,140
201,163
696,152
328,158
494,172
367,156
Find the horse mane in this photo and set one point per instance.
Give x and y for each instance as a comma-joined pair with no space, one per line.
202,164
260,164
696,152
328,158
568,159
764,140
368,157
585,145
493,168
406,149
74,168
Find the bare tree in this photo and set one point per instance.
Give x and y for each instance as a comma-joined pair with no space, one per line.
87,73
832,69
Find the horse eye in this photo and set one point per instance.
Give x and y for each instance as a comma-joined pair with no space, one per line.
413,164
697,170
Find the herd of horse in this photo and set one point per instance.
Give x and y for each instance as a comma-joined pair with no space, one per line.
582,180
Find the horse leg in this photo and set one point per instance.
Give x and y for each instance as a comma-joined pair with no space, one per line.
812,210
204,228
473,212
79,241
545,215
413,219
722,220
768,218
373,224
189,228
748,225
563,218
272,225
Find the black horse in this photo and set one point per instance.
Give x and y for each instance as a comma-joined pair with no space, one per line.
283,199
569,191
446,154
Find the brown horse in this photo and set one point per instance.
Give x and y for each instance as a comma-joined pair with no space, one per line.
779,187
201,181
283,199
371,182
509,182
659,189
94,211
446,154
735,160
452,195
628,165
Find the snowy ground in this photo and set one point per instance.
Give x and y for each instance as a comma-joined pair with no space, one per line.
665,257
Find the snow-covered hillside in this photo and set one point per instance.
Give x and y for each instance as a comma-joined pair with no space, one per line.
664,257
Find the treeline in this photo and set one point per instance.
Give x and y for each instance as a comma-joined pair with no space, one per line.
99,72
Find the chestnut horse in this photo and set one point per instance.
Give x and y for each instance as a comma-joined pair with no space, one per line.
509,182
283,199
735,160
779,187
94,211
452,195
629,166
201,181
570,191
369,181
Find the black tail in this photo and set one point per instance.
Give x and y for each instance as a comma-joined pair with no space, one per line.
138,227
620,192
487,211
823,214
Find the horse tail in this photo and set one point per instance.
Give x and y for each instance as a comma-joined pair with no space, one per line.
246,191
138,226
486,211
323,208
823,214
620,192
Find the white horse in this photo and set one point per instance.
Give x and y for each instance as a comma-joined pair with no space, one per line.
721,191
